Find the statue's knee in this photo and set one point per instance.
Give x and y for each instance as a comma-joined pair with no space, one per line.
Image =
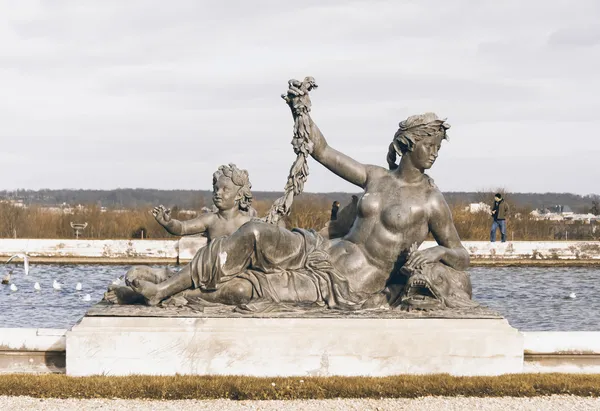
251,229
243,289
135,272
238,292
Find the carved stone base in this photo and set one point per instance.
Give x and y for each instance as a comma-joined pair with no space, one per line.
292,346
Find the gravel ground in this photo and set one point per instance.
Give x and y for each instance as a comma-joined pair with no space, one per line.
558,402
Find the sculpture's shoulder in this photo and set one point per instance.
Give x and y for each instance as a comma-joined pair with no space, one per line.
243,219
375,172
250,212
208,218
431,184
436,199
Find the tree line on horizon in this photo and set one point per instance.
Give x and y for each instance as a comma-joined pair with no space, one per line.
128,198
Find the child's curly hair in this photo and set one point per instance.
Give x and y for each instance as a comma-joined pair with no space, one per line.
241,179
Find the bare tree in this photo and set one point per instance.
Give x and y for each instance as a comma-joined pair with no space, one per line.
595,209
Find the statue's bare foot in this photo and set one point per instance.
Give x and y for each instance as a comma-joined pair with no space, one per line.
111,297
154,275
148,290
122,294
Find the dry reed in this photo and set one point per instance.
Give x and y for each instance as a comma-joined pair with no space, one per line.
254,388
308,212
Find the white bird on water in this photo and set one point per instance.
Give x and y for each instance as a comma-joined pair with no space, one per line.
36,286
78,287
25,258
13,287
56,285
87,297
572,296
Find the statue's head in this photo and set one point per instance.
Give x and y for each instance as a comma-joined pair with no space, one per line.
420,137
231,188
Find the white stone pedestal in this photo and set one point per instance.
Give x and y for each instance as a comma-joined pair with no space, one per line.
292,346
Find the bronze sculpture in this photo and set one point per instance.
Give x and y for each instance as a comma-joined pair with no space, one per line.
343,222
232,201
264,267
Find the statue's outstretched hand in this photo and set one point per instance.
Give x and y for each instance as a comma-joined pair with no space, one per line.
162,215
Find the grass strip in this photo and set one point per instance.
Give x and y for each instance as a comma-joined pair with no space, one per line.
253,388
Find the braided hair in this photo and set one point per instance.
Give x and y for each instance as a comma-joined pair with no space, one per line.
410,131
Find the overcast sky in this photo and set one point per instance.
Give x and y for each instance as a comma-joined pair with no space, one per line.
157,94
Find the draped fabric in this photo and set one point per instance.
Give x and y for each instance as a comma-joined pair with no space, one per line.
288,270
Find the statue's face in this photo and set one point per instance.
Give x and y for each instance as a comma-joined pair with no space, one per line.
426,150
224,193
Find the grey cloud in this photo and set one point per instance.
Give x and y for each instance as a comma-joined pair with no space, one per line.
576,36
521,174
116,33
107,88
394,86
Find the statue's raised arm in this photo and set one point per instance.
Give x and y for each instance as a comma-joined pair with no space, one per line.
308,140
336,161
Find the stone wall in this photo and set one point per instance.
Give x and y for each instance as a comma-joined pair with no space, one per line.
40,249
568,352
133,251
532,250
31,350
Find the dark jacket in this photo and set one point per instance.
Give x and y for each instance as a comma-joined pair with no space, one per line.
500,210
334,211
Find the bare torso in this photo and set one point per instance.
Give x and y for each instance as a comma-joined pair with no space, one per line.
217,226
392,215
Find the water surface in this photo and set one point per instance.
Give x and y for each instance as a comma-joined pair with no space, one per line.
531,298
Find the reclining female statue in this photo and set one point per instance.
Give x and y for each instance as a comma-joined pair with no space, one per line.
264,267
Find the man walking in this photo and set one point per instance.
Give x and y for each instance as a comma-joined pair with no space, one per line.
499,213
334,210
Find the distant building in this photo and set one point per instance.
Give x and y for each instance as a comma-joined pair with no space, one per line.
189,213
563,210
478,208
15,203
563,213
63,208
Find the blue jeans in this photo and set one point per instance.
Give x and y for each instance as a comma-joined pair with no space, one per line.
501,224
